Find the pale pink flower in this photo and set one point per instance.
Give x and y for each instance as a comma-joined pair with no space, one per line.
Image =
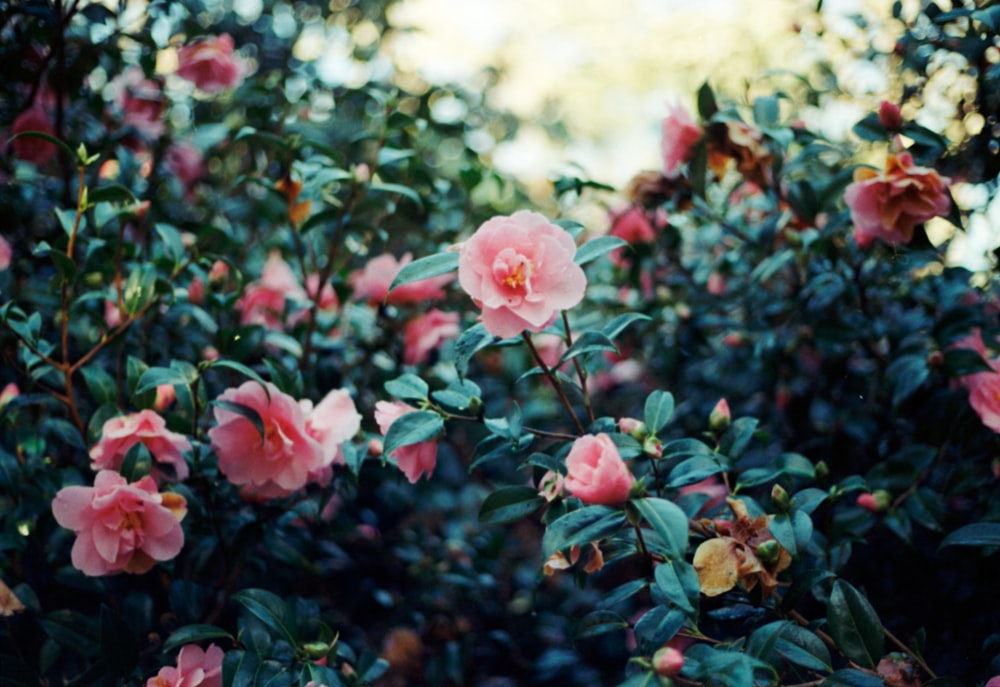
519,269
426,333
186,163
120,527
678,139
328,301
263,301
632,225
716,284
121,433
333,421
280,462
112,314
9,393
993,681
889,205
372,283
196,667
984,387
166,394
6,254
140,101
210,64
414,460
30,149
218,272
596,473
550,348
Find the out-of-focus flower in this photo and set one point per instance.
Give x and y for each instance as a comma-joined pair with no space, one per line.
196,667
9,393
30,149
333,421
263,301
668,661
273,465
120,527
6,254
711,487
736,141
426,333
519,269
889,115
372,283
632,225
414,460
196,290
596,473
680,134
140,101
889,205
210,64
875,502
186,163
716,284
121,433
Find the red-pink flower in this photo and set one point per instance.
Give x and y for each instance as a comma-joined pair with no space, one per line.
632,225
121,433
210,64
263,301
415,459
372,283
6,254
888,205
596,473
196,667
28,148
426,333
984,387
276,464
140,101
679,137
889,115
186,163
519,269
120,527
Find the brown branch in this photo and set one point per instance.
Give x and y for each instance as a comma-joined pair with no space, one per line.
555,383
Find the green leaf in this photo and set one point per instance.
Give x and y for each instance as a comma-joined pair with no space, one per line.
399,189
870,129
588,342
159,376
195,633
245,412
425,268
668,521
656,627
509,504
976,534
736,439
243,370
138,462
905,375
618,325
678,581
598,623
412,428
140,288
959,362
113,193
707,106
766,111
330,216
102,386
408,387
621,593
693,470
172,241
271,610
659,410
471,341
45,137
248,132
854,625
850,677
588,524
595,248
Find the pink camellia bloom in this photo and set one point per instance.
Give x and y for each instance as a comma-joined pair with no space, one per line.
328,301
632,225
331,422
993,681
210,64
280,462
426,333
519,269
30,149
416,459
196,290
6,254
186,163
196,667
140,101
984,387
121,433
263,301
372,283
679,137
596,473
120,527
889,205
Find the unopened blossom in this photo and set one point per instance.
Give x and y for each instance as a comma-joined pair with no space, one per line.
120,527
211,64
668,661
596,473
196,667
9,393
146,427
889,115
889,204
519,270
413,460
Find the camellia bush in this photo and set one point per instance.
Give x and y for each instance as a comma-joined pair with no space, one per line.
299,391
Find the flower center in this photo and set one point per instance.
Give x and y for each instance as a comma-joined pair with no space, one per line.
130,521
519,275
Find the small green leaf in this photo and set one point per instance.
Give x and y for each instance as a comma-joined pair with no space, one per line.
471,341
425,268
766,111
854,625
412,428
668,521
399,189
113,193
509,504
619,324
598,623
102,386
959,362
45,137
591,523
243,370
707,106
976,534
659,410
408,387
677,579
271,610
595,248
586,343
159,376
246,412
850,677
195,633
140,288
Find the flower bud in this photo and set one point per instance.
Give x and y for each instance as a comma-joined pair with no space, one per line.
769,551
780,499
822,470
935,359
876,502
720,417
636,429
653,446
315,650
668,661
889,116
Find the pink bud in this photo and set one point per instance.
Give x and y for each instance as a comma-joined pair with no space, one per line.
9,393
375,447
668,661
875,502
889,116
720,417
716,284
633,427
218,272
653,447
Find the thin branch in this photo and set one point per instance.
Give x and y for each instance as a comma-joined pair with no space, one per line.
555,383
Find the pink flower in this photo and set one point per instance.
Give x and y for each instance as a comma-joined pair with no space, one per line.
112,314
121,433
196,290
30,149
276,464
196,667
711,487
120,527
993,681
888,205
328,301
333,421
415,459
6,254
426,333
596,472
679,137
889,115
210,64
165,396
984,387
632,225
9,393
263,301
519,269
186,163
372,283
141,102
716,284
